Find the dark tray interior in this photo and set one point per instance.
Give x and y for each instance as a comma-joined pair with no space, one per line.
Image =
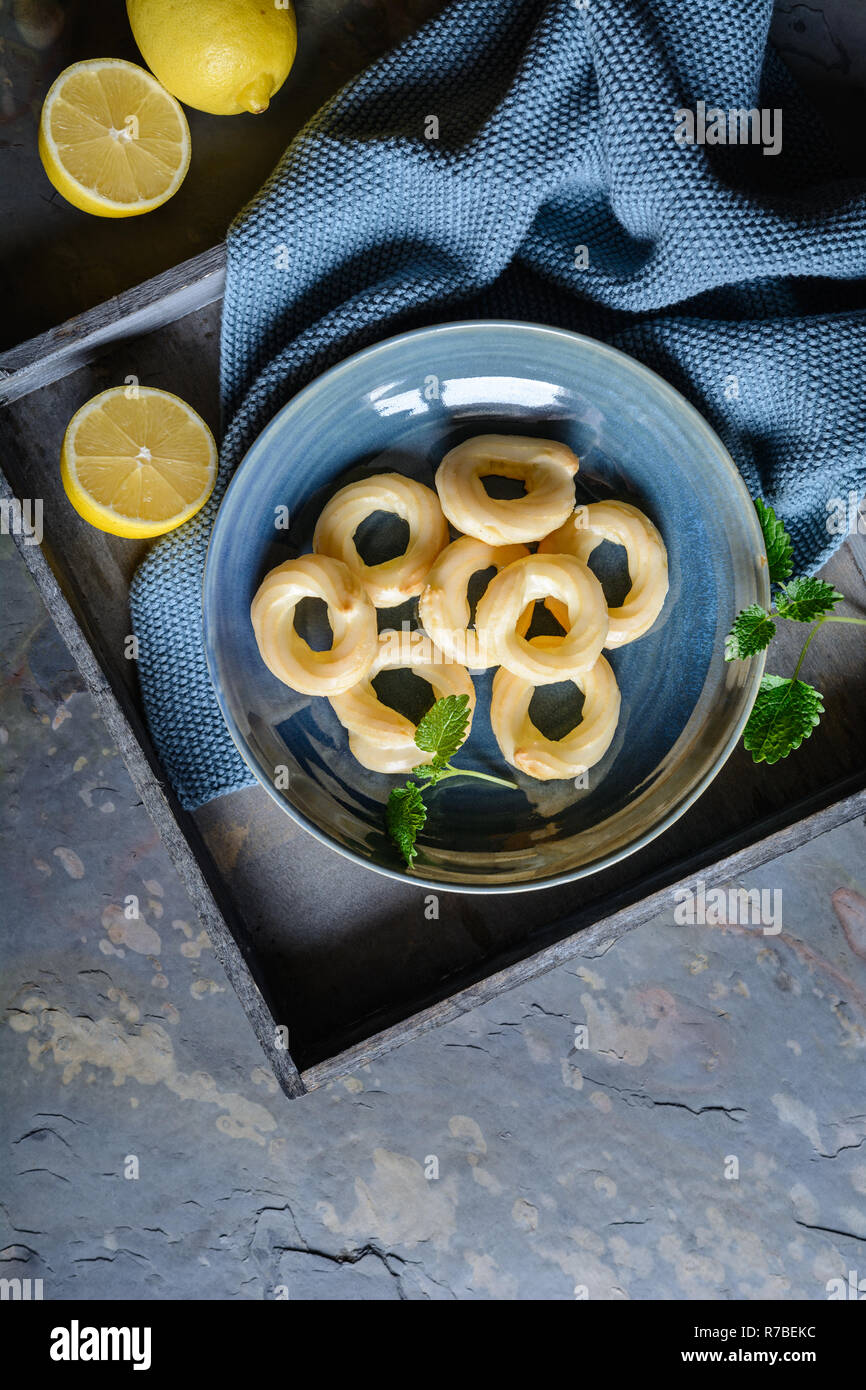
339,951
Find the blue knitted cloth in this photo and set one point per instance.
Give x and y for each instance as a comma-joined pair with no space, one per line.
723,268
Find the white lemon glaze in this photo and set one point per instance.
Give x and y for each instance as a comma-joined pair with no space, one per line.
444,605
545,467
402,577
526,748
647,557
501,612
350,613
381,738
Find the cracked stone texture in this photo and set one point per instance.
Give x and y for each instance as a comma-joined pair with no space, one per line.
494,1158
147,1152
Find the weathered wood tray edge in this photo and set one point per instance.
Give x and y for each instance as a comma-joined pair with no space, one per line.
158,302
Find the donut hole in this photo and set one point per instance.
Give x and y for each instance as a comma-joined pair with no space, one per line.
406,692
476,589
503,489
543,623
381,536
556,709
313,624
609,564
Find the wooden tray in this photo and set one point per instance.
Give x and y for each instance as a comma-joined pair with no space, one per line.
350,963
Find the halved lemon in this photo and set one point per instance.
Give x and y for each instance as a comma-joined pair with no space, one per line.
137,461
112,140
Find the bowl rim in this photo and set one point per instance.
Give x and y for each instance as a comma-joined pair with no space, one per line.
751,685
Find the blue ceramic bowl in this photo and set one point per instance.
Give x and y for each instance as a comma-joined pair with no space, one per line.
399,406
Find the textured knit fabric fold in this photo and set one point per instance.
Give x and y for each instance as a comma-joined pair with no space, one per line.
518,159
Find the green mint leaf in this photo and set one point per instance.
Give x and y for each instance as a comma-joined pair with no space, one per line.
804,600
753,630
443,728
405,815
780,550
785,712
430,772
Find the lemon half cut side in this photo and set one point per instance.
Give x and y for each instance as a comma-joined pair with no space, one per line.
138,461
112,140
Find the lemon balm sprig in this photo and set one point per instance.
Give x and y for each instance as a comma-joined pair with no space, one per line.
441,733
786,709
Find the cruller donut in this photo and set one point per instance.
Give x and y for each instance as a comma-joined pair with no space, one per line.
350,612
381,738
544,466
625,525
526,748
402,577
498,617
444,605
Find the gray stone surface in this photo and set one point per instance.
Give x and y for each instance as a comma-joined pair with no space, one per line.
561,1167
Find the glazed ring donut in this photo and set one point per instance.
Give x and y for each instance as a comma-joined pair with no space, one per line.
623,524
350,613
521,743
546,467
501,609
402,577
444,606
380,738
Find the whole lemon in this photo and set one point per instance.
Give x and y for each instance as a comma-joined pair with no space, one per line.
221,56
